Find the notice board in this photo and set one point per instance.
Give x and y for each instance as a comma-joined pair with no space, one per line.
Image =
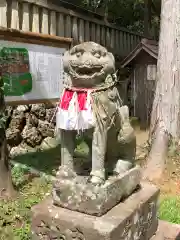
34,72
33,69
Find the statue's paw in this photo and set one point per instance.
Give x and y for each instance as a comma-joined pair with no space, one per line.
65,172
97,177
96,180
122,166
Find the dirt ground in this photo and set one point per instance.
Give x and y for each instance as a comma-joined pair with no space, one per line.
170,183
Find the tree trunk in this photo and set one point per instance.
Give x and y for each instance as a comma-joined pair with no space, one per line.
6,185
147,18
165,118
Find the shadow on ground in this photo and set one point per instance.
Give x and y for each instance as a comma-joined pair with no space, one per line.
48,161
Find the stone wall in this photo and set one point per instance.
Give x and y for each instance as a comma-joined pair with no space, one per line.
30,126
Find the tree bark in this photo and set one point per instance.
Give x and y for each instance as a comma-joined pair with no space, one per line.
6,185
147,18
165,118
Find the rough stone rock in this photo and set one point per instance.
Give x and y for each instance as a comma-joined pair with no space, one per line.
79,195
133,219
23,148
19,150
39,110
50,105
31,136
50,115
31,116
18,120
46,129
49,143
31,119
13,136
9,111
23,108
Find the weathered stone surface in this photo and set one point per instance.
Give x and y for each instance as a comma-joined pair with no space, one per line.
133,219
46,129
106,128
23,117
21,149
39,110
49,143
31,136
13,136
9,110
78,194
31,119
23,108
18,120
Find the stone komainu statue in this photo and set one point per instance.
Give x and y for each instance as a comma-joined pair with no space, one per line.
90,103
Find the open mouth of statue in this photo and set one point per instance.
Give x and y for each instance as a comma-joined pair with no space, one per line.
88,70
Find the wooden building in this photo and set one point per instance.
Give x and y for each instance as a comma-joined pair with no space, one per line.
60,19
140,83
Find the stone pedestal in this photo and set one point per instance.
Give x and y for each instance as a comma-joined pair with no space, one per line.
79,195
133,219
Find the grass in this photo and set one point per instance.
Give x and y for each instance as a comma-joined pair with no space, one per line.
15,217
46,161
169,209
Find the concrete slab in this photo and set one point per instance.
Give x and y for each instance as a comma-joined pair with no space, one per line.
167,231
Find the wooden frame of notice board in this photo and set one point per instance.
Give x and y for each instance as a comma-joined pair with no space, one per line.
36,40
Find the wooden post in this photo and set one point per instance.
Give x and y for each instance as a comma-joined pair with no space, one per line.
103,40
87,31
75,35
98,34
68,26
108,41
53,23
81,30
112,38
45,21
35,19
60,23
15,15
3,12
25,17
117,49
147,17
93,32
121,43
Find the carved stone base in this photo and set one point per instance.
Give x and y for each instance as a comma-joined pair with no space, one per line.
133,219
85,197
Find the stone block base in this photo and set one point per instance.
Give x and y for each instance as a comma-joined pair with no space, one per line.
133,219
74,194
